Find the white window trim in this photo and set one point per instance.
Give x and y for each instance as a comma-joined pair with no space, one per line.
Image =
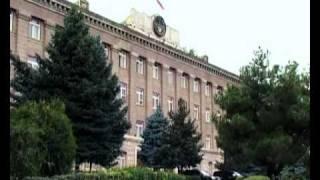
155,73
32,61
207,90
170,105
155,101
140,96
35,24
207,115
139,130
184,82
11,21
196,86
170,77
123,60
196,112
139,64
123,88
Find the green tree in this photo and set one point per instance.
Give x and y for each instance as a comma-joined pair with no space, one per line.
157,124
41,140
78,72
181,143
266,120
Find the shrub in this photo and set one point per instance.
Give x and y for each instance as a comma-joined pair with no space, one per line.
117,174
294,173
254,178
41,140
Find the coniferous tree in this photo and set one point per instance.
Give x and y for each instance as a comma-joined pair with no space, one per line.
181,143
78,72
157,124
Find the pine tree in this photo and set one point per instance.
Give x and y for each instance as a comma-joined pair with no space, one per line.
78,72
181,143
157,124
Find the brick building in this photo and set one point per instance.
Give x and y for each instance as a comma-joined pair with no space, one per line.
153,70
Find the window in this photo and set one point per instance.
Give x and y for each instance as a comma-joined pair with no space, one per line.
11,20
123,90
183,81
207,90
208,115
196,86
170,77
123,59
155,73
140,96
34,29
208,142
220,89
155,100
196,112
139,65
170,104
107,50
139,127
32,62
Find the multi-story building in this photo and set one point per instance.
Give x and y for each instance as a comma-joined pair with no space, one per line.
145,52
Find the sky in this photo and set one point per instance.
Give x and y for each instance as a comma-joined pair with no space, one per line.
228,31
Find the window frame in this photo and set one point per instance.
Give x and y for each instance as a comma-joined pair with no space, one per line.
35,23
140,66
140,96
170,104
207,90
196,85
122,59
208,115
123,88
139,129
170,77
155,100
155,72
196,110
32,62
208,142
184,81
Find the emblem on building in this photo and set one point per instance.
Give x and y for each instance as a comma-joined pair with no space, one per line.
159,26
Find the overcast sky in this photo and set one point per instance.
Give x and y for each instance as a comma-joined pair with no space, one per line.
228,31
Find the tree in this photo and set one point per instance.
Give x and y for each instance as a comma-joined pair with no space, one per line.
41,140
267,116
181,143
157,124
78,72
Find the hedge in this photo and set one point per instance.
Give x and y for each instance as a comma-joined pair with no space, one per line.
254,178
117,174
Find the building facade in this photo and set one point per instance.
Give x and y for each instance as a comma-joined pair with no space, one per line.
151,68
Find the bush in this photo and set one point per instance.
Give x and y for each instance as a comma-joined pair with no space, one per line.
254,178
41,140
117,174
294,173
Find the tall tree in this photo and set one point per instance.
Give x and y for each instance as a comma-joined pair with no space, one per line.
157,124
78,72
181,143
267,116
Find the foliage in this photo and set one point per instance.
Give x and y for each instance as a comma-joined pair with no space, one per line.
78,72
41,140
181,142
294,173
267,116
157,124
254,178
116,174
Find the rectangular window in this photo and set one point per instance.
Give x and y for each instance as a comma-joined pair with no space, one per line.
155,100
170,77
11,20
139,65
139,127
32,62
123,90
208,142
207,90
140,96
184,82
170,104
34,29
155,73
196,112
208,115
196,86
123,59
107,50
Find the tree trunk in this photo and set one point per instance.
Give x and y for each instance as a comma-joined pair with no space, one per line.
90,167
